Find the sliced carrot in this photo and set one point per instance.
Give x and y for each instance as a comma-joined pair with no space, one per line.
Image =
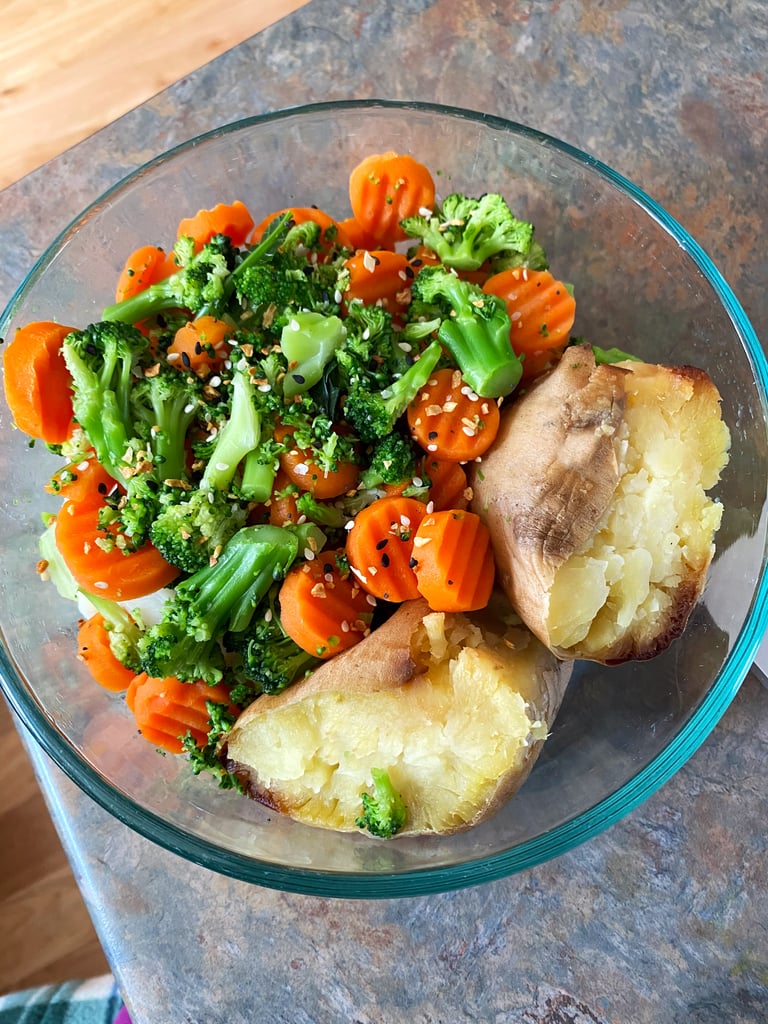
94,650
37,382
145,266
199,345
282,504
379,277
454,563
358,237
447,483
384,188
541,309
231,219
449,421
166,710
332,235
324,609
301,469
97,562
380,547
85,481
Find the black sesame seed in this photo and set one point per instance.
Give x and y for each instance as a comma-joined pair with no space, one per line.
432,435
385,560
382,544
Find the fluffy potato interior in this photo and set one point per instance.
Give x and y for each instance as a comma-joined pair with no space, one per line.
466,721
656,536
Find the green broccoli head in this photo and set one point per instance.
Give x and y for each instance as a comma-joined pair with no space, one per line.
200,285
373,414
464,232
384,811
392,460
268,656
474,327
102,360
192,527
165,403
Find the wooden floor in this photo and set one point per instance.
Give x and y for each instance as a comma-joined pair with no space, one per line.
57,86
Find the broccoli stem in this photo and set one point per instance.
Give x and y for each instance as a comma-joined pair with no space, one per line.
240,435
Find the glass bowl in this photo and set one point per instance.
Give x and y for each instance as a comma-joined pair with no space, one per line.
642,284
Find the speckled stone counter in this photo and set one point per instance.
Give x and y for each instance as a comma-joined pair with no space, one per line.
664,917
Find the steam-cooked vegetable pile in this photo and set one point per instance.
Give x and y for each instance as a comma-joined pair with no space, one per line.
281,428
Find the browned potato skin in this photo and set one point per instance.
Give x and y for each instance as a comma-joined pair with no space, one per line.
386,660
552,473
549,476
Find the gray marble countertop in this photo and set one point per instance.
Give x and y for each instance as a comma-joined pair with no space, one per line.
662,918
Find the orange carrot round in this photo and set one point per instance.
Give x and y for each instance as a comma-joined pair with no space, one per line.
324,610
231,219
145,266
449,421
300,469
379,277
332,235
105,569
454,563
357,235
541,309
37,382
380,547
166,710
84,482
385,188
94,650
199,345
282,504
447,483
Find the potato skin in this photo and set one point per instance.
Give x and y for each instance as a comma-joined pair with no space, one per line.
554,479
549,477
390,703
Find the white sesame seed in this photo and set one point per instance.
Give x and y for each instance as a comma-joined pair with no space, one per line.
294,325
190,407
222,466
301,469
215,381
101,585
173,357
309,554
369,262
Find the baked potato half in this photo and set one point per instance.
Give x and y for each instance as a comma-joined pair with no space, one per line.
453,708
595,495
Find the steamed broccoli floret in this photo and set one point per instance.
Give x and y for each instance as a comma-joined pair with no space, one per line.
475,328
393,460
192,529
465,232
291,280
198,285
269,657
102,360
372,350
221,598
166,650
165,403
373,414
207,758
384,811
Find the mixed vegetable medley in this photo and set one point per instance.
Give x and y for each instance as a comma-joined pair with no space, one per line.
270,428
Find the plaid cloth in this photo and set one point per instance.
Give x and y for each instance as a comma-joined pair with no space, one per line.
96,1001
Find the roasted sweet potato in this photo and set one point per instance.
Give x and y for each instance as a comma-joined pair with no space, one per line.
453,708
595,495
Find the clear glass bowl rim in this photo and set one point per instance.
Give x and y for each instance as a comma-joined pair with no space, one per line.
561,839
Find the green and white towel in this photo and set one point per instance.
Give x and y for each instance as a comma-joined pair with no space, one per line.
96,1001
